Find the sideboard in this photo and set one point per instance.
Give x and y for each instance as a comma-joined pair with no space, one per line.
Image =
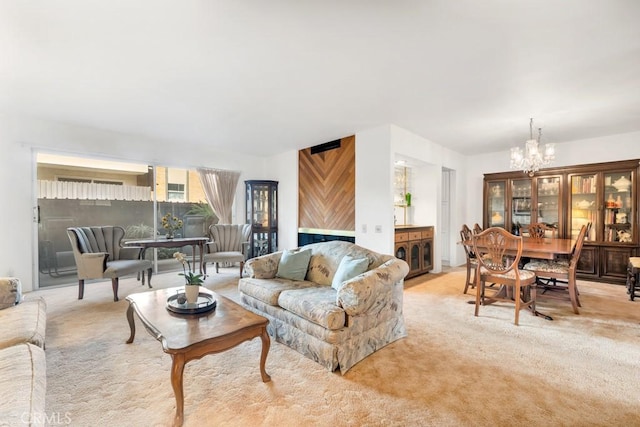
414,244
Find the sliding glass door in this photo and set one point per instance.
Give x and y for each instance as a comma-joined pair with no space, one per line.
79,192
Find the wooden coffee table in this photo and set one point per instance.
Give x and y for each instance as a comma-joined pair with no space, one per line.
192,336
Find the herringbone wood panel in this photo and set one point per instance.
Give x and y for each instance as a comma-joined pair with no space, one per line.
327,187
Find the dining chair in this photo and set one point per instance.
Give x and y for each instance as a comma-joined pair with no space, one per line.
476,228
466,235
538,231
560,275
497,264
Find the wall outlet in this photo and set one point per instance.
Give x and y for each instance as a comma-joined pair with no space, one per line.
364,228
378,229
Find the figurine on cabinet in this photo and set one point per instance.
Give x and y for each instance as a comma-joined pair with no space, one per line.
624,236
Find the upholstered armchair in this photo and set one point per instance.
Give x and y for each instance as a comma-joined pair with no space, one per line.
229,243
98,254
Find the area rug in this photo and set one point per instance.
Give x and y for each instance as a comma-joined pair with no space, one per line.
453,369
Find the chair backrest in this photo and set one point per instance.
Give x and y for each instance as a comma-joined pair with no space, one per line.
494,248
476,228
230,237
97,239
466,235
577,248
537,231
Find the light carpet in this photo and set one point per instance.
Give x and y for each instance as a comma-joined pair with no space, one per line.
453,369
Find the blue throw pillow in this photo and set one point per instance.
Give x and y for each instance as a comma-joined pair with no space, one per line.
293,265
348,269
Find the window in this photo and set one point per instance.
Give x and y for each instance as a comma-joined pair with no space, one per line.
175,192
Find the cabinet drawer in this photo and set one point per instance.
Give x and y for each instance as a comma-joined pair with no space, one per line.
415,235
402,237
427,234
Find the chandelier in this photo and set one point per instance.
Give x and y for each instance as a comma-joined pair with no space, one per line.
532,159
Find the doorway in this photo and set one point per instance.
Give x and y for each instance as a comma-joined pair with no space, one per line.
445,224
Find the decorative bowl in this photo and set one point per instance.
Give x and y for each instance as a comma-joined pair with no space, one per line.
622,184
584,204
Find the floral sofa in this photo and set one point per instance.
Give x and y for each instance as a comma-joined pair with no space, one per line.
23,376
333,321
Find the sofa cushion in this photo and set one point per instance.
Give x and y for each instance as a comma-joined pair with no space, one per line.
316,304
293,264
25,322
24,378
10,292
349,268
326,256
268,290
264,266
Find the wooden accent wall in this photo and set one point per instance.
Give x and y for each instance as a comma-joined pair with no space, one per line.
327,187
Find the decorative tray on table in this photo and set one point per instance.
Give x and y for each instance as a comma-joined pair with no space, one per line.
178,303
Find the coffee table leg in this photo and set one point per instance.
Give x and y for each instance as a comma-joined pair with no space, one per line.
266,343
177,370
132,324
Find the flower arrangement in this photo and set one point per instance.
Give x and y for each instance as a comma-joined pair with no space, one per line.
189,277
171,224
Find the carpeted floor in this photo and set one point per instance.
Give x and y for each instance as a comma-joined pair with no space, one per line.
454,369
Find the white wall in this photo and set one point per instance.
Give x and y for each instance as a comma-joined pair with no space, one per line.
595,150
376,150
21,137
284,169
374,190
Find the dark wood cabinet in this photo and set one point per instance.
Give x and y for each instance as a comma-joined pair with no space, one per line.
262,214
414,245
604,194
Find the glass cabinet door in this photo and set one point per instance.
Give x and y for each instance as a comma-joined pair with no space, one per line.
584,204
262,211
618,207
496,211
548,201
521,202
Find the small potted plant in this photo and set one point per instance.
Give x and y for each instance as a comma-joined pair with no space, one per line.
192,281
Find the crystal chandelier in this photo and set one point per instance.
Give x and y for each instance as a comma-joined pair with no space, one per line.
532,159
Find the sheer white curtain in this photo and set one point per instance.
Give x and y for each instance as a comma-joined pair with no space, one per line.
220,189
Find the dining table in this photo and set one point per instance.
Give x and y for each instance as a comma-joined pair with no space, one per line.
194,242
547,248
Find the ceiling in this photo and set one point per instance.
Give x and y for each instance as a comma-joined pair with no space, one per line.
272,76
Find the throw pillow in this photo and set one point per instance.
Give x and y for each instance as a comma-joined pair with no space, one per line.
10,292
293,265
348,269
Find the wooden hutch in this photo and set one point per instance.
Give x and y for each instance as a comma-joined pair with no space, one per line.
604,194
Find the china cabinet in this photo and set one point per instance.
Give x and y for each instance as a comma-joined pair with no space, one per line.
512,201
262,214
602,194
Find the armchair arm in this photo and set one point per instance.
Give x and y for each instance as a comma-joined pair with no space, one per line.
92,265
245,249
372,289
263,267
